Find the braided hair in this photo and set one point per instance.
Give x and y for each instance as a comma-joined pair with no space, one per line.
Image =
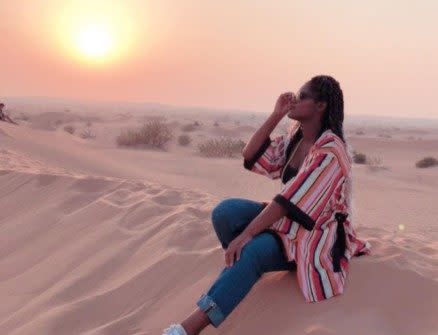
326,88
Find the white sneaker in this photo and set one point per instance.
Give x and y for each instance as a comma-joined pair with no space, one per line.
174,329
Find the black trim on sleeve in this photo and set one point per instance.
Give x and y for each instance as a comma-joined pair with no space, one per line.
249,163
338,250
295,213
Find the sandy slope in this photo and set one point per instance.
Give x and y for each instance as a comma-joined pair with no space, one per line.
100,240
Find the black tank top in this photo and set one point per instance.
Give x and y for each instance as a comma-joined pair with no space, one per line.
290,171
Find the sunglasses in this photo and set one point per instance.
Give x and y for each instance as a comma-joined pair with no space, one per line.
303,95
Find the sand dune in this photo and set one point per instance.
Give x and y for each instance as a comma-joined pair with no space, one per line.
101,240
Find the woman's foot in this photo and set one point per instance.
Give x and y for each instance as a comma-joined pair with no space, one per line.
174,329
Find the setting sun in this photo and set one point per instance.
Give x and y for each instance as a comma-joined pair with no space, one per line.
95,41
94,34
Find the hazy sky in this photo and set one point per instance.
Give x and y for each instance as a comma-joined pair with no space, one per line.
224,54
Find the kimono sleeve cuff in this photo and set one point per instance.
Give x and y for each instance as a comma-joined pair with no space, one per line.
295,213
249,163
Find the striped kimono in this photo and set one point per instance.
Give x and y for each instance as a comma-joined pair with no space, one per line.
316,232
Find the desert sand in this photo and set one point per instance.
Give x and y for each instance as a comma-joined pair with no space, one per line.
97,239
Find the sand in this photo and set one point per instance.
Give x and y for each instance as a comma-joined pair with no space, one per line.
97,239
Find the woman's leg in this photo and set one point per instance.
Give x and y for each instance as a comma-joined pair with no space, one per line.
262,254
231,216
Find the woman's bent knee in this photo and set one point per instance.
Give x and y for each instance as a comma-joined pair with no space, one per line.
221,213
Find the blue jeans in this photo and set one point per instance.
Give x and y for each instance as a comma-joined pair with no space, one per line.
262,254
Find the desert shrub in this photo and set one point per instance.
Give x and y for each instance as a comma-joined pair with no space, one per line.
184,140
222,147
89,124
58,122
426,162
384,135
216,124
374,161
69,129
87,133
359,132
189,127
359,158
154,134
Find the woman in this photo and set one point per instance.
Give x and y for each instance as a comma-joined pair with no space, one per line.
307,225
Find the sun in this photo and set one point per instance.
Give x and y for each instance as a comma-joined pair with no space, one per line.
94,33
95,41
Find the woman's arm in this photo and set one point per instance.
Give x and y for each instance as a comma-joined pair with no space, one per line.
271,213
260,136
300,199
266,218
282,107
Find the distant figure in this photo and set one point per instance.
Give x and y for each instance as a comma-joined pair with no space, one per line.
3,116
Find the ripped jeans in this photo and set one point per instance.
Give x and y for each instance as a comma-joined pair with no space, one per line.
262,254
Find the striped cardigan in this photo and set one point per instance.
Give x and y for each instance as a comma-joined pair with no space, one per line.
316,232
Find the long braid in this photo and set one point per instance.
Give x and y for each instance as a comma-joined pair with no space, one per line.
327,89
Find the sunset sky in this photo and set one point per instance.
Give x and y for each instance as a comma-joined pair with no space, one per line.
222,54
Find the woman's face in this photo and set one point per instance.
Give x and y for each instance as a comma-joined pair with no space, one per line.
306,107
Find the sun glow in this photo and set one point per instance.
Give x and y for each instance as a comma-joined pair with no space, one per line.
95,41
94,35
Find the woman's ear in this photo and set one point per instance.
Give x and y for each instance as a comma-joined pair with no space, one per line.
321,105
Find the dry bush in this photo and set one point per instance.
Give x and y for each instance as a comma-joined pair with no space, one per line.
222,147
384,135
216,124
359,132
153,134
87,134
374,161
89,124
426,162
69,129
189,127
184,140
359,158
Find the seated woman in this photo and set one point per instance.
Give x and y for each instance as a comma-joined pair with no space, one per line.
306,227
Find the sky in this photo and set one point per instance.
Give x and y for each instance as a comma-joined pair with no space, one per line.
222,54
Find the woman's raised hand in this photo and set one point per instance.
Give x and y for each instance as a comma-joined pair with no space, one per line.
285,103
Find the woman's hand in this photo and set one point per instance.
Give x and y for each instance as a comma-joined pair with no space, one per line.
235,248
285,103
